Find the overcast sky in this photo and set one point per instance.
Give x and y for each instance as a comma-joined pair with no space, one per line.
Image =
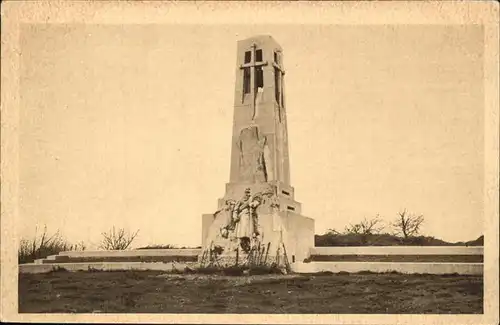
131,126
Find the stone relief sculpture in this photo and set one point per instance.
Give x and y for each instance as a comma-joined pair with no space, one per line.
255,155
246,218
236,227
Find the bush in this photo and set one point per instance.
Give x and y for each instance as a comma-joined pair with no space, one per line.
43,246
117,239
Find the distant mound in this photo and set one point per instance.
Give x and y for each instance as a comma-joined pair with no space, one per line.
476,242
333,239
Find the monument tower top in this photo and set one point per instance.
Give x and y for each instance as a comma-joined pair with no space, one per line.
259,114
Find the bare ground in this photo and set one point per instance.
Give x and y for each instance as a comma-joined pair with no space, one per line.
154,292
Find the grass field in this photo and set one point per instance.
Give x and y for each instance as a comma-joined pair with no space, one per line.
154,292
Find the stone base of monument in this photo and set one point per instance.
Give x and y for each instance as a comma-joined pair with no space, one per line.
168,260
284,238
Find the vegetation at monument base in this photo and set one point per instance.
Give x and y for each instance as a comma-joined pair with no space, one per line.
155,292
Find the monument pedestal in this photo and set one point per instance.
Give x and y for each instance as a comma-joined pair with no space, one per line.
291,230
282,232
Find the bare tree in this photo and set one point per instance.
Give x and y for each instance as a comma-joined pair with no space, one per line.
353,229
366,227
117,239
407,225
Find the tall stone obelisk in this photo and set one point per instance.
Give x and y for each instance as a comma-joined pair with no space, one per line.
259,204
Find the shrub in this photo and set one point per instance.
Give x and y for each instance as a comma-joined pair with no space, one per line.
117,239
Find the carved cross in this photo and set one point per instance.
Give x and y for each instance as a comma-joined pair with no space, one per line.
253,65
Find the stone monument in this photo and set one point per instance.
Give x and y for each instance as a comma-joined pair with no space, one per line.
258,219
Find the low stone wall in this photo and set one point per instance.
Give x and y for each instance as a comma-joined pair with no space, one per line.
380,267
398,250
102,266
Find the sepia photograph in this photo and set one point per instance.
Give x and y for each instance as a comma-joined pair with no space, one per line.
257,162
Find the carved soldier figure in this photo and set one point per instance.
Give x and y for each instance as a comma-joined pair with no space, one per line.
245,216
